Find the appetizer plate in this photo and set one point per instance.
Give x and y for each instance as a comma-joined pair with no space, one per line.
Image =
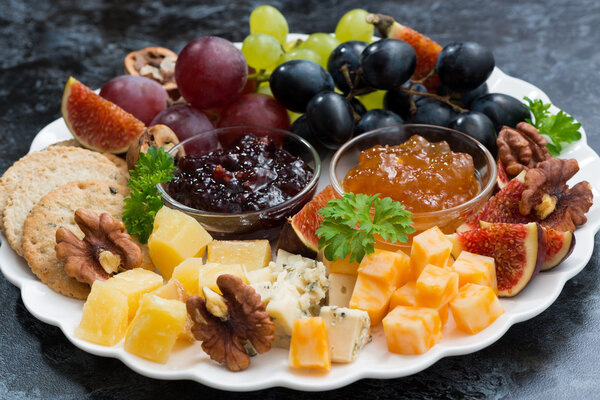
188,361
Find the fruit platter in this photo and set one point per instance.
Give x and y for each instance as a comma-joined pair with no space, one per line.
335,207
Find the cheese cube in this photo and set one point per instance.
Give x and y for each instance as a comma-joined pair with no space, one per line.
347,330
371,295
309,347
429,247
284,309
134,283
175,237
404,296
341,266
444,312
105,315
474,268
173,290
412,330
259,275
341,287
210,272
253,254
388,266
475,308
435,287
155,328
187,273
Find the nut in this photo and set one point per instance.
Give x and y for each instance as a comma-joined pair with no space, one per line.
159,136
224,337
105,247
521,148
547,194
157,63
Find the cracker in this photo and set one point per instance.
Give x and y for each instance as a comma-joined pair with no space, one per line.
56,209
62,165
118,161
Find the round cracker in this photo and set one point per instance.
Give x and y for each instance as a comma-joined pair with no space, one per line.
63,165
118,161
57,209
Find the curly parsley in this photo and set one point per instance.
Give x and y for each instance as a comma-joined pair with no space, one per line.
144,201
559,128
351,223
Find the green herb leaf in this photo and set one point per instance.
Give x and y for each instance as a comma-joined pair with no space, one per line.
559,128
350,224
144,201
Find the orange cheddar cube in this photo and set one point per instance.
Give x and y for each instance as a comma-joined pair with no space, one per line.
341,266
404,296
444,311
309,346
429,247
388,266
473,268
475,308
412,330
435,287
371,295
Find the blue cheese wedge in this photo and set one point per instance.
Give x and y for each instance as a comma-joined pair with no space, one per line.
340,289
292,287
348,332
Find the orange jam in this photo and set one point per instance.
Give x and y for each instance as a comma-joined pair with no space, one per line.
421,175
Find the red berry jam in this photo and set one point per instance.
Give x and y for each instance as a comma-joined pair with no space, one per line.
250,175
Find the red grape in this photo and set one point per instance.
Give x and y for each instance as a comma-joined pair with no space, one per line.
210,72
255,109
251,84
186,122
140,96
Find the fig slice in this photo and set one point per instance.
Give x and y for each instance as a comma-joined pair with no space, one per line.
518,250
97,123
502,178
502,207
298,234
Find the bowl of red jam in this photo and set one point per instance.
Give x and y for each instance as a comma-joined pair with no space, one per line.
242,182
441,175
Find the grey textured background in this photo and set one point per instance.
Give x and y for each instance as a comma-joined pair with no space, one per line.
554,44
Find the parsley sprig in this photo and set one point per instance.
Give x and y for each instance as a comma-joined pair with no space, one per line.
351,223
144,201
559,128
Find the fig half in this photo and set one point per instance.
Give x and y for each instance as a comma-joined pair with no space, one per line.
518,250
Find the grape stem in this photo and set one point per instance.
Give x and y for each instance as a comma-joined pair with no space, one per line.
442,99
260,76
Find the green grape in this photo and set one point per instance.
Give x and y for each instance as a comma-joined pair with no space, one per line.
264,88
353,26
268,20
300,54
373,100
322,44
294,116
261,50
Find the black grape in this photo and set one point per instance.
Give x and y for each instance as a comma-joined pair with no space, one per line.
399,102
358,107
388,63
347,53
462,66
501,109
479,127
374,119
300,127
464,99
295,82
433,112
330,118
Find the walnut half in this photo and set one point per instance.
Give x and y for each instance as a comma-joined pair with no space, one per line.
224,336
105,248
521,148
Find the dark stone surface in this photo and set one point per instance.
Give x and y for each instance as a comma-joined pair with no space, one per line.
552,44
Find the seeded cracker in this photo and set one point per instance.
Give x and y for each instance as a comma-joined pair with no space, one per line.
55,210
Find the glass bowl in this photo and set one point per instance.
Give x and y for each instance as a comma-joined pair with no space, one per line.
262,224
447,220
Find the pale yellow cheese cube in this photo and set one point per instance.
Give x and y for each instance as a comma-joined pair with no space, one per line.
105,315
341,287
174,290
175,237
259,275
284,309
475,308
209,273
347,330
253,254
155,328
475,268
134,283
187,273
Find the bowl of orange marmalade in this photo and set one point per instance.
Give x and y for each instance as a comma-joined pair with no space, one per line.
439,174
